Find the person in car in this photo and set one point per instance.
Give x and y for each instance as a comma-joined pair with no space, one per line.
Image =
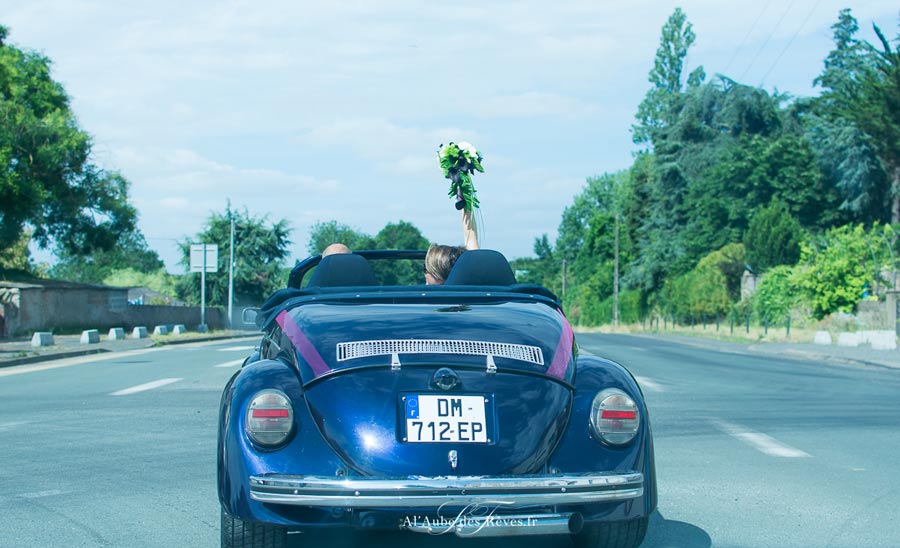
439,260
336,249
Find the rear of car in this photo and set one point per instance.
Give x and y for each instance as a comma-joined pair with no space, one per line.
438,410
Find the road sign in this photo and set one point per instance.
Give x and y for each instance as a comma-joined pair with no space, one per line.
208,251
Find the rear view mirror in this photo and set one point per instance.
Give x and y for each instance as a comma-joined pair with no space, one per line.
249,315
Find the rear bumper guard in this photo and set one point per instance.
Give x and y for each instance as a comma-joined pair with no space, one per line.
446,491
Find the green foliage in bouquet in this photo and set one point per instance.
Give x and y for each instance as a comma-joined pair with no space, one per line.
458,162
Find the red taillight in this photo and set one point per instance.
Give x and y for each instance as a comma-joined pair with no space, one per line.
614,417
270,418
607,414
270,413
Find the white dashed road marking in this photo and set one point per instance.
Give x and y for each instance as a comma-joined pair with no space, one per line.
143,387
237,349
648,384
41,494
759,441
232,363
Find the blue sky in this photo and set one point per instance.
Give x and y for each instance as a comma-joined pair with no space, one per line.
313,111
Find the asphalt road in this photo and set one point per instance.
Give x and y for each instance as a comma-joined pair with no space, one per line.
118,450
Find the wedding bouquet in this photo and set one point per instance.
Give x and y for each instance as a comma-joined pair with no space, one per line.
458,162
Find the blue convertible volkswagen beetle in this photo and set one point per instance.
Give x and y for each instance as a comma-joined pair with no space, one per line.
462,408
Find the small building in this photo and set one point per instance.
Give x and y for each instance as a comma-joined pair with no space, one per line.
41,305
29,304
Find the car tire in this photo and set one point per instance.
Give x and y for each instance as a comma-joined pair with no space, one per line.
237,533
615,534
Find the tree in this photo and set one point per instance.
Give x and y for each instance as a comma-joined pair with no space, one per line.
835,267
322,234
131,252
17,256
877,114
773,238
400,235
542,269
657,110
259,252
47,181
861,89
160,281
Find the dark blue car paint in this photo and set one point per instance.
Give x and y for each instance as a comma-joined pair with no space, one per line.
542,421
326,324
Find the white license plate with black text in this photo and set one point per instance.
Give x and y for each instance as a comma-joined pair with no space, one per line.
432,418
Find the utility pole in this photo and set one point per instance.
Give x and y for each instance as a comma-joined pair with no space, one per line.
616,278
231,276
202,327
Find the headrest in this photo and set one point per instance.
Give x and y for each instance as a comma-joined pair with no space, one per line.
481,267
342,270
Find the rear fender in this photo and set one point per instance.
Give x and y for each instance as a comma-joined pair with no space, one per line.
238,458
579,451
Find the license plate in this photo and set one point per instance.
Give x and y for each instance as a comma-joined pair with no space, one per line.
444,419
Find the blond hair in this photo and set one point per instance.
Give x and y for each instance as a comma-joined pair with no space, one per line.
439,259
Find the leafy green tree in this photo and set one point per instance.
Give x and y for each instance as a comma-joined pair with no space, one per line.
657,110
323,234
260,249
777,293
130,252
835,267
586,242
17,256
773,238
708,289
852,167
400,235
542,269
160,281
877,114
48,182
861,89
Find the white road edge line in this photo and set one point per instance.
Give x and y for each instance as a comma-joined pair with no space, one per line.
232,363
759,441
649,384
236,349
143,387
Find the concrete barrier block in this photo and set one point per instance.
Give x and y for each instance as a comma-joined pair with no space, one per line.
139,333
848,339
116,334
160,330
90,336
42,338
883,340
822,337
179,329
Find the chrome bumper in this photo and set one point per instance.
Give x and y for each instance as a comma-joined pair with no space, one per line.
437,492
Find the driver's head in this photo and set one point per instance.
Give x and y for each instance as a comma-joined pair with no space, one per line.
336,249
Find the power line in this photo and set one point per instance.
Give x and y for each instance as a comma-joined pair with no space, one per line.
791,41
746,36
766,42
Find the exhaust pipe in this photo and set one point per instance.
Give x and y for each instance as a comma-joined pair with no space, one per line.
503,525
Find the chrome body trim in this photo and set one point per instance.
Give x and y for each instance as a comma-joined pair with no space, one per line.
392,347
435,492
